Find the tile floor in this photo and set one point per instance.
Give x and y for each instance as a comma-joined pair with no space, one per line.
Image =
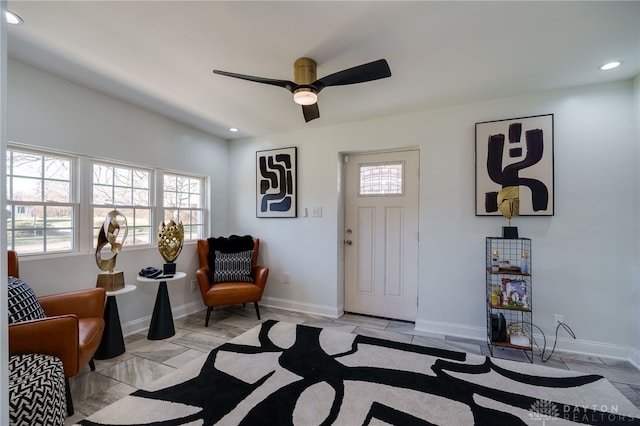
147,360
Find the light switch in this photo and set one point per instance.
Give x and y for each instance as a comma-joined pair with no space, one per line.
317,212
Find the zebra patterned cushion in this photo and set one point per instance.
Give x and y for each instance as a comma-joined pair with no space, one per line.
23,303
233,267
36,390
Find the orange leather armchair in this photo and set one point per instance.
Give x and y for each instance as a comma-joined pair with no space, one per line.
72,330
229,293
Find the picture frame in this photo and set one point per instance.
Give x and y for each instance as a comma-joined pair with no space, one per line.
276,183
515,152
516,292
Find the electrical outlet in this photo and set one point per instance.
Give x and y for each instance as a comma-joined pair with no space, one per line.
194,285
557,318
286,278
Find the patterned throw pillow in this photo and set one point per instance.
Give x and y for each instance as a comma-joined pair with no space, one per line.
233,266
23,303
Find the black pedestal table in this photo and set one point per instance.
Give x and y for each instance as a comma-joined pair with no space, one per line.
112,343
161,326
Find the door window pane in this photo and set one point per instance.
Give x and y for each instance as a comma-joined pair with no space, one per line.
381,179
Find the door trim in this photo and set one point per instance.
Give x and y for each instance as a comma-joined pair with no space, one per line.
341,279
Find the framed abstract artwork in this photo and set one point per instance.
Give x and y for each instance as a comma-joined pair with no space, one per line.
515,155
276,183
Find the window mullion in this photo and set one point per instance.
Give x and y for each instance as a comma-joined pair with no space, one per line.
85,237
158,204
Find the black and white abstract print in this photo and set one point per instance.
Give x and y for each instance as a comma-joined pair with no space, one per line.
276,181
515,153
287,374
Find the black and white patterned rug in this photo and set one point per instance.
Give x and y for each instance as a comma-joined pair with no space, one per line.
285,374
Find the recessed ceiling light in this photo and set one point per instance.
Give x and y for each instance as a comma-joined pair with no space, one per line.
233,129
12,18
609,65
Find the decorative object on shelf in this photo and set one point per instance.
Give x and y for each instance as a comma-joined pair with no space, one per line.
502,164
112,233
524,262
498,328
509,205
517,335
170,241
276,183
508,294
495,261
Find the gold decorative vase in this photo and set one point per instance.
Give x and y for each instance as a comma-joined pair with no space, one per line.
170,241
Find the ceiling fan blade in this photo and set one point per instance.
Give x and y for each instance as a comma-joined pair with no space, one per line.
311,112
289,85
359,74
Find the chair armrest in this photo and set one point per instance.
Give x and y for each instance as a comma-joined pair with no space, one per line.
87,303
260,274
205,278
57,336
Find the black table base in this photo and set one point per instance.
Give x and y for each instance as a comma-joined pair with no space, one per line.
112,343
162,319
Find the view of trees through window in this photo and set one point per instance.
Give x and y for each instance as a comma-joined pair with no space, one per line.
127,190
43,205
40,209
183,202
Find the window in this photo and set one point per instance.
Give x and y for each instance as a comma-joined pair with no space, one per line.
41,208
382,179
127,190
51,193
183,201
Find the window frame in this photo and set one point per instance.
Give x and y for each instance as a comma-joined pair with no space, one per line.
400,163
151,207
203,207
82,191
73,203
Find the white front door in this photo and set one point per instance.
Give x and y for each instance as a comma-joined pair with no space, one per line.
381,234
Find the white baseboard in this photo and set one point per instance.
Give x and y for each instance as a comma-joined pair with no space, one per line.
451,329
434,328
565,344
142,324
587,347
307,308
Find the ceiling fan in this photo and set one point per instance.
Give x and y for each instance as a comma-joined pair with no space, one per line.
305,87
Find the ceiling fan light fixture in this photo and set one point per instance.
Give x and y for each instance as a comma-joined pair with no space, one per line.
305,97
12,18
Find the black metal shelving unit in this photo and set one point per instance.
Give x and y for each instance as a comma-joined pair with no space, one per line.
509,294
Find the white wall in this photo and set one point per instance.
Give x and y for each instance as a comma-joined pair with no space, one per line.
47,111
584,257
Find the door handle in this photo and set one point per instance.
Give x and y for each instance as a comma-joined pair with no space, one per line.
348,242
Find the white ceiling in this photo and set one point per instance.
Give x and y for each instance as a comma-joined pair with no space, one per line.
160,54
